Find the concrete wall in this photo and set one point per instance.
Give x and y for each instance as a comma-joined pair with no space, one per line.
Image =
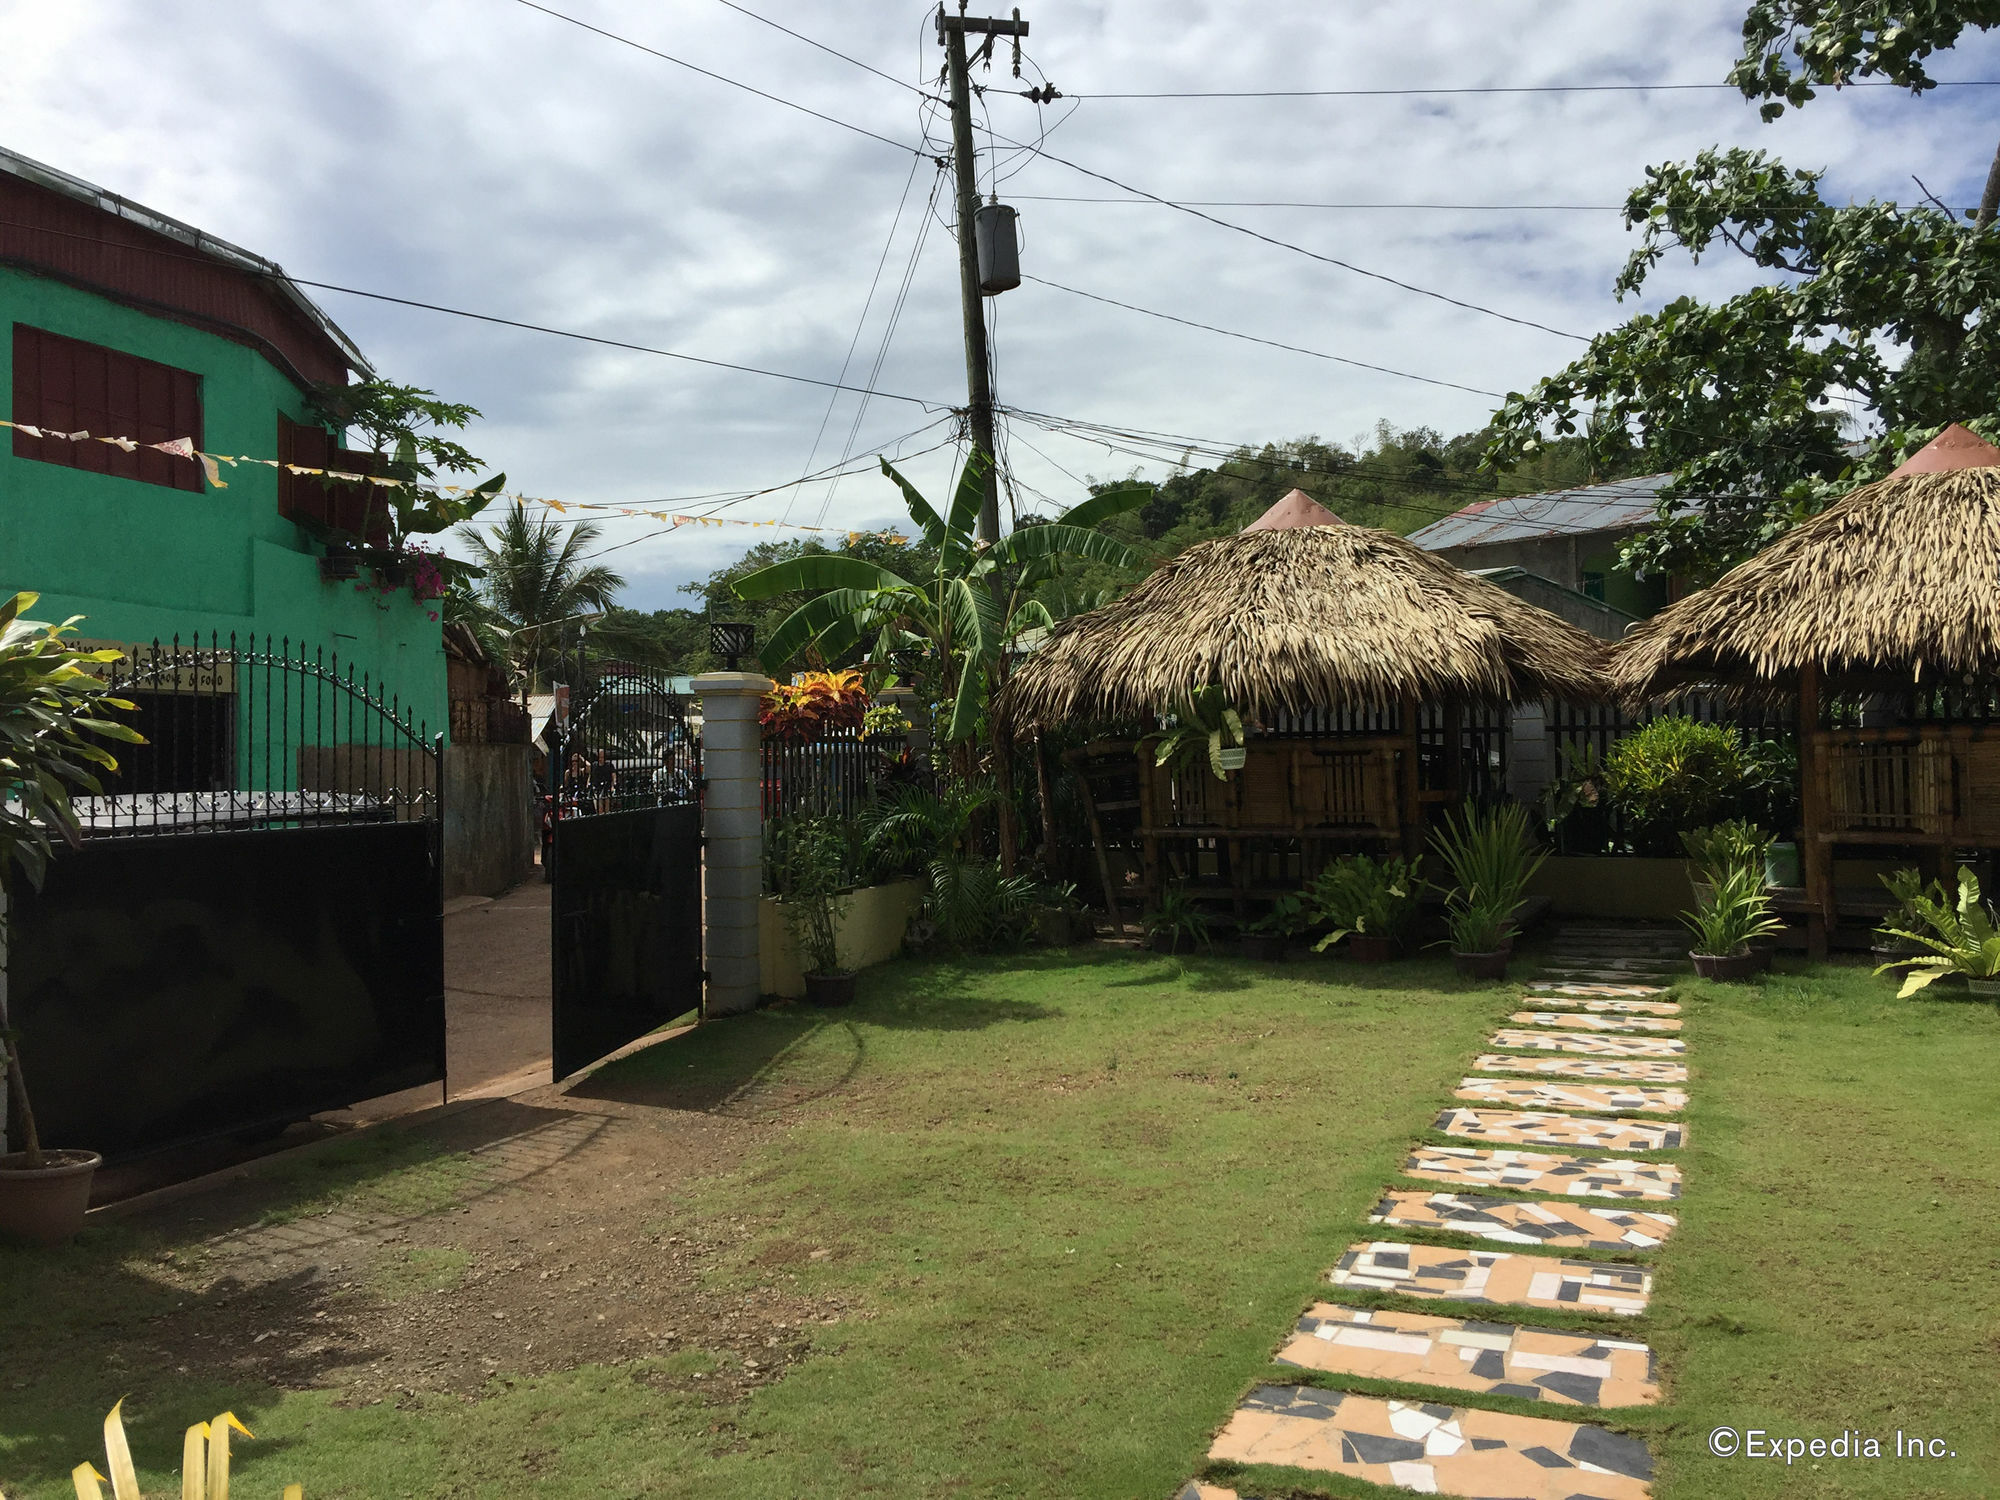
1614,885
1565,560
489,819
869,932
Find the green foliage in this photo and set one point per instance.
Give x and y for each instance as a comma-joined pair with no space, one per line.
1286,918
1491,856
811,868
51,709
971,907
1673,774
1176,917
1735,845
1835,42
540,595
406,425
1888,305
1204,726
1961,936
952,629
1907,888
1360,894
907,826
1734,910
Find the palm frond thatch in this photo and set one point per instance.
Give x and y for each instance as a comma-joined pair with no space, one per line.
1298,618
1898,581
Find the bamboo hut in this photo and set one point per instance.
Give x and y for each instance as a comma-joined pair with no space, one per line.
1880,620
1352,656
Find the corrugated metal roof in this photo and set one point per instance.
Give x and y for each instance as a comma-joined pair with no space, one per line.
1617,506
57,180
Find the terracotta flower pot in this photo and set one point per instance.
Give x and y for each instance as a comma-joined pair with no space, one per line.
1366,949
1265,947
45,1206
830,989
1482,965
1729,968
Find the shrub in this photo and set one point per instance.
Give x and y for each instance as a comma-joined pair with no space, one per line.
1736,845
1358,894
1673,774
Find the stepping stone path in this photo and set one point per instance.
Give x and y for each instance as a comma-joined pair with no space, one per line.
1594,1022
1494,1276
1597,1037
1559,1226
1578,1067
1528,1093
1525,1128
1591,1045
1461,1354
1537,1172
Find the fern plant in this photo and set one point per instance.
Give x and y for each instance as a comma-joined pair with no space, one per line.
1369,897
1176,917
1962,939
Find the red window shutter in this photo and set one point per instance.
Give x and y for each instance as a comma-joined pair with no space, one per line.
67,385
301,497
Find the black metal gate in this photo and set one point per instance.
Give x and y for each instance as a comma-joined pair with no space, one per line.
252,929
625,856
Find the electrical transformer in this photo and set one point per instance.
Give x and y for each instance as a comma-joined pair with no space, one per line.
993,232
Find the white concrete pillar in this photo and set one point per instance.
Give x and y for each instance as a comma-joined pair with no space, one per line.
733,828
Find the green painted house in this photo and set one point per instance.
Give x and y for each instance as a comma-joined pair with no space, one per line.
123,323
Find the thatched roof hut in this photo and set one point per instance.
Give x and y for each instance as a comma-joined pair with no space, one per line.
1896,583
1295,613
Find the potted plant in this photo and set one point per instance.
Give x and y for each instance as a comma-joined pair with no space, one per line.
1206,731
1725,922
814,892
1481,934
1059,917
1715,850
1370,903
1906,888
50,708
1962,939
1174,919
1491,857
1268,938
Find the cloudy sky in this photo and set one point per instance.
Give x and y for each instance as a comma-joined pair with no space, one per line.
487,156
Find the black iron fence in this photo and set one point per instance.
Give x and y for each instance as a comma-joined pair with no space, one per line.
835,775
626,746
259,733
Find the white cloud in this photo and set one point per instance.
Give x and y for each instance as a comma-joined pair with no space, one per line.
478,154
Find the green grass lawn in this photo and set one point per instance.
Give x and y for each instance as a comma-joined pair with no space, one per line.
1076,1201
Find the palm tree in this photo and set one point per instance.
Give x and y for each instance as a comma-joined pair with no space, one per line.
539,594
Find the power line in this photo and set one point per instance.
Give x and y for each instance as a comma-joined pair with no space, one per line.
1331,260
1512,88
1254,339
1511,208
681,62
830,51
479,317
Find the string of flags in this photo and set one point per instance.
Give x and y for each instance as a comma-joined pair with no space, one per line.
211,464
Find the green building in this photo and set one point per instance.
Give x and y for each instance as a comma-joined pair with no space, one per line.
120,322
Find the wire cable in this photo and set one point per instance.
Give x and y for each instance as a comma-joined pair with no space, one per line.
1509,88
1511,208
1252,338
681,62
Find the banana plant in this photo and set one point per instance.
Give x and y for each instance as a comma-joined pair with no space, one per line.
1962,938
967,616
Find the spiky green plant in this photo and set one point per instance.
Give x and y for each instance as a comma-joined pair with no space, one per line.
1962,938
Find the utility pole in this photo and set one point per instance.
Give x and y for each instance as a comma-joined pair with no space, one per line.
952,32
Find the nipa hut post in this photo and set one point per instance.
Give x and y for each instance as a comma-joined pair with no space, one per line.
1880,620
1333,642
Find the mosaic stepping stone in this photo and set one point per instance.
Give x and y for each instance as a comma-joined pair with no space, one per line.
1496,1359
1433,1449
1495,1276
1564,987
1196,1490
1554,1226
1636,1070
1595,1023
1595,975
1529,1128
1539,1172
1530,1093
1588,1044
1608,1007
